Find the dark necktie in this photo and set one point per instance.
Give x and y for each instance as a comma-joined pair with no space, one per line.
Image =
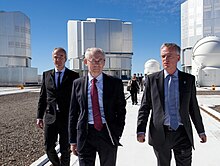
95,106
58,80
172,104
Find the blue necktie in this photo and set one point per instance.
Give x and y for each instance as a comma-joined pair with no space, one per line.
172,103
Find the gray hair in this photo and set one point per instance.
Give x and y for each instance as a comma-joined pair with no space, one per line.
94,50
171,45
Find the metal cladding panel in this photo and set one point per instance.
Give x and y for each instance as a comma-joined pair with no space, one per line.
17,75
187,57
116,36
208,76
115,63
125,63
74,39
15,34
102,35
127,38
88,35
3,61
107,63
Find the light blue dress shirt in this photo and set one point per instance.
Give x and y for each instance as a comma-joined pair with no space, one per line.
57,74
99,85
176,86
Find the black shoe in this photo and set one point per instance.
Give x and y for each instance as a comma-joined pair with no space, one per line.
132,103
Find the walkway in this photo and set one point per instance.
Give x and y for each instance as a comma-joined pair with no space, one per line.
134,153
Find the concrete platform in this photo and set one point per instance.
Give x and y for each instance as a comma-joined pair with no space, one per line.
134,153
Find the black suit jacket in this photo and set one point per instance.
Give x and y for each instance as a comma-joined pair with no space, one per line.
153,100
114,104
50,96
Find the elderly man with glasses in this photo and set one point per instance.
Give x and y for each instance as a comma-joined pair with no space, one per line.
97,113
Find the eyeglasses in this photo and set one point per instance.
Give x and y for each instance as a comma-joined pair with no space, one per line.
93,61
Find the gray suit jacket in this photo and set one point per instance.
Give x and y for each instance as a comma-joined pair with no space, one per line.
153,102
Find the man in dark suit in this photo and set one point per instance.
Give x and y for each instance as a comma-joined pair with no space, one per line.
97,113
54,104
170,97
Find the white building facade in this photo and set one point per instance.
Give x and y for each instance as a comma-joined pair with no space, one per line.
199,19
112,35
15,49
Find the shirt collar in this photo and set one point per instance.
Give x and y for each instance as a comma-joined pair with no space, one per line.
56,70
175,74
99,78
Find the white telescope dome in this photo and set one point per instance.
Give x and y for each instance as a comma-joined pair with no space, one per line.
207,51
151,66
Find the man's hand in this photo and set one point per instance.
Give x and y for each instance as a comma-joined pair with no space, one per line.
203,138
73,148
40,123
141,138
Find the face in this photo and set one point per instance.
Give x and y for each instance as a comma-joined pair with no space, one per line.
59,59
95,63
169,59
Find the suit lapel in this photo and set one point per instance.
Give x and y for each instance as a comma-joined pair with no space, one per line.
65,76
105,90
160,85
182,85
52,75
85,91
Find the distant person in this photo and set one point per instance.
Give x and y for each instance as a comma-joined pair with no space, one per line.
170,99
97,113
137,78
134,89
54,103
141,82
145,78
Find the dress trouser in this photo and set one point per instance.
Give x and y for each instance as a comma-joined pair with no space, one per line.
177,141
98,142
51,135
133,96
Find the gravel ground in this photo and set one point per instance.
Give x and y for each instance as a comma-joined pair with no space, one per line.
21,142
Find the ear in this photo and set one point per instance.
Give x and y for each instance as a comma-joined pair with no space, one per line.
178,57
85,61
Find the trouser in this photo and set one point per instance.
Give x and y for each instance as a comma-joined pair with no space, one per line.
98,142
177,141
51,135
134,97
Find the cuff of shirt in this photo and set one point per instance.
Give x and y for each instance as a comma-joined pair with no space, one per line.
141,133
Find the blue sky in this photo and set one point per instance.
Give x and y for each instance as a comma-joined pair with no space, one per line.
154,22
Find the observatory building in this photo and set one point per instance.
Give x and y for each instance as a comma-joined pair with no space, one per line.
15,50
199,18
112,35
206,61
151,66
